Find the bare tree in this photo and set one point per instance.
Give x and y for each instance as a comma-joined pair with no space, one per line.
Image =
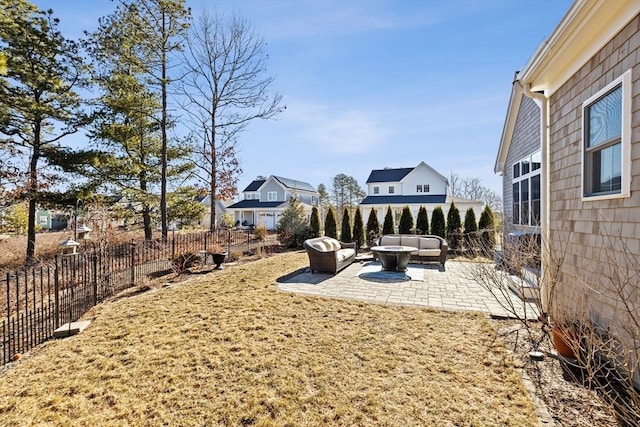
225,88
473,189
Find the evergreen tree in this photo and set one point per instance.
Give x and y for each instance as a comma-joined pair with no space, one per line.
315,223
437,222
293,228
330,225
422,222
470,229
406,221
358,228
487,228
454,227
373,227
39,104
388,227
345,233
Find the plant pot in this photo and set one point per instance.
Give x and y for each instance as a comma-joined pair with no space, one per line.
218,259
560,342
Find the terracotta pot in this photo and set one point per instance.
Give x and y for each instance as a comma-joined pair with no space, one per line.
560,342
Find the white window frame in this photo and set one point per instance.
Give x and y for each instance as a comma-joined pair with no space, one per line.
419,188
625,139
426,188
392,189
528,176
376,190
272,196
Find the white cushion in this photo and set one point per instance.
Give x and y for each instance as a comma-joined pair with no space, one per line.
429,252
429,243
319,246
333,244
344,254
390,241
413,241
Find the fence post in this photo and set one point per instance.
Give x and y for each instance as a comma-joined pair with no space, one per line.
133,262
173,246
206,234
56,291
94,258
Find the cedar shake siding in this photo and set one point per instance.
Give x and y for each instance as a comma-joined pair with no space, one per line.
597,240
525,141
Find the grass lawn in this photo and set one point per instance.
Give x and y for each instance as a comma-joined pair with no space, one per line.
227,348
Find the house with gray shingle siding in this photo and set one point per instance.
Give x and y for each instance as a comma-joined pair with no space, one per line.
586,80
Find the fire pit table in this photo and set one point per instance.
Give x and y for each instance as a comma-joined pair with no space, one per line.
394,258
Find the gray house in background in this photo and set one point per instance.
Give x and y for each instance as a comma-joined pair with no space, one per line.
265,199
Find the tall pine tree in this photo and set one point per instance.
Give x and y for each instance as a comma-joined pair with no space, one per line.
388,227
422,222
345,234
330,225
406,221
373,227
39,104
438,227
358,228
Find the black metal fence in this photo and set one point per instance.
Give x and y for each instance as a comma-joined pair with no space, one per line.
40,299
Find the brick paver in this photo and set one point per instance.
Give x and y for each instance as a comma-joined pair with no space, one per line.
451,288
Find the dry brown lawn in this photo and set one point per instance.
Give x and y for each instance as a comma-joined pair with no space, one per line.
227,348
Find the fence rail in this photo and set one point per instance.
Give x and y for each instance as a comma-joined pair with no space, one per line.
38,300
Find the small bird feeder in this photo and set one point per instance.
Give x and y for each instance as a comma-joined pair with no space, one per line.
83,232
69,247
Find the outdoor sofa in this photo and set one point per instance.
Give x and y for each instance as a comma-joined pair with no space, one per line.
329,255
430,248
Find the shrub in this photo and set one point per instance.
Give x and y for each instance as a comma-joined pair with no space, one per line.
422,222
437,222
487,229
260,232
345,231
358,228
182,263
388,227
470,229
373,227
293,228
454,227
330,225
406,221
315,222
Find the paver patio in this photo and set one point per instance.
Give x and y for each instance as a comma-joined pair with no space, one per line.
424,285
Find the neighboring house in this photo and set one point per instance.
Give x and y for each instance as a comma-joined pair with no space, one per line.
265,199
414,187
49,220
586,81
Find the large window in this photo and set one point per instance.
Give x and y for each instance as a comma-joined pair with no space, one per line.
606,136
526,190
272,196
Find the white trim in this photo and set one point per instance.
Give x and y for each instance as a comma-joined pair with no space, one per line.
625,140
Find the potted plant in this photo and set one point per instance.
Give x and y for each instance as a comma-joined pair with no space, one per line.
217,254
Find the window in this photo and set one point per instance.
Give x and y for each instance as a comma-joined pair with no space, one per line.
426,188
391,189
376,190
605,145
526,190
272,196
418,188
422,188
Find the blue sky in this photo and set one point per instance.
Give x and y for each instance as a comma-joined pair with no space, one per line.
375,84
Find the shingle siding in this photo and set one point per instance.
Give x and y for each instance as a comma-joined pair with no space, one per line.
597,240
525,141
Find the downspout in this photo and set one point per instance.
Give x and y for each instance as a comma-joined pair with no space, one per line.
546,273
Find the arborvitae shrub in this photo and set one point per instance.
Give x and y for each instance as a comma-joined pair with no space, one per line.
314,222
454,227
422,222
345,232
470,230
487,228
358,228
437,222
406,221
330,226
387,227
373,227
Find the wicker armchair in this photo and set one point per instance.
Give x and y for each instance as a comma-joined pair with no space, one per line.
329,255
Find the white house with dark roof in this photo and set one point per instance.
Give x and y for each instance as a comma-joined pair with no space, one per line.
414,187
265,199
